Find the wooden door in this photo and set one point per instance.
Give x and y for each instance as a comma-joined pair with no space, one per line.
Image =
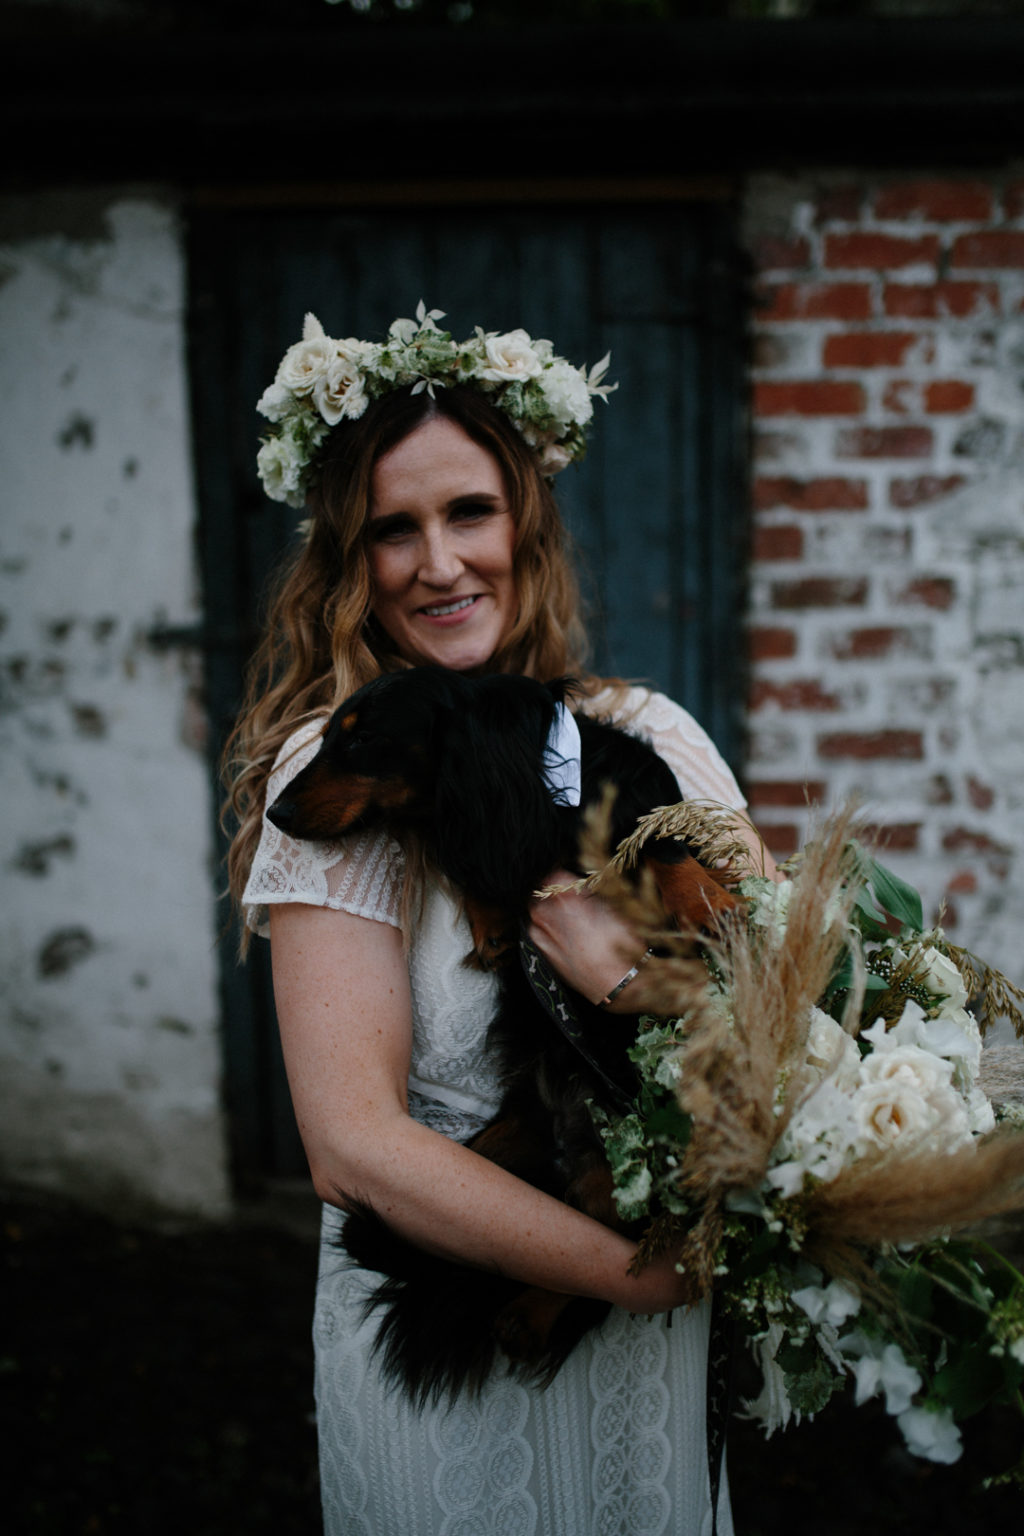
655,511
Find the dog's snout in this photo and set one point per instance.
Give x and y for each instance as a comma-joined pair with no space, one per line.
282,813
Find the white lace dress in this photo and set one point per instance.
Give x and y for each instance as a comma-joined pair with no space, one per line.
616,1445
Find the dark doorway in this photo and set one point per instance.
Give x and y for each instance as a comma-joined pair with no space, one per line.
656,510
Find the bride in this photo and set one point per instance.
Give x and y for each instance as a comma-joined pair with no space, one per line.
434,537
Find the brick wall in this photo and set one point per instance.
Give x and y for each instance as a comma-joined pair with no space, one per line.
887,601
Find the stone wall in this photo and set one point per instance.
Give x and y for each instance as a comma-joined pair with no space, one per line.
887,595
109,1033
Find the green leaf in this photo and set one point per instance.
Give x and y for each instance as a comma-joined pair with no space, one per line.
896,897
972,1378
915,1293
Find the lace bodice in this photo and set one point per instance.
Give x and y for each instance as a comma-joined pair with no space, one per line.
453,1084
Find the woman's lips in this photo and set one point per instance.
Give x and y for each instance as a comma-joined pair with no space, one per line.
449,613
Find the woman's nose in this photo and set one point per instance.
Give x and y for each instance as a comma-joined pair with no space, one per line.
440,565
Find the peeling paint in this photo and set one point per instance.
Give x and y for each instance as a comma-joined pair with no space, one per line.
175,1026
64,950
89,720
77,432
36,858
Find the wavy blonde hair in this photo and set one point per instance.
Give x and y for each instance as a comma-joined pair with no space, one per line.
320,642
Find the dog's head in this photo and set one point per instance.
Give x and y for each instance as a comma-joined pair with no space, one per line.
398,750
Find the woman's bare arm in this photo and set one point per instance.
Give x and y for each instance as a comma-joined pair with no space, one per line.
344,1009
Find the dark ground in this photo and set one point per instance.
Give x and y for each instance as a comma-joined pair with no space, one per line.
160,1383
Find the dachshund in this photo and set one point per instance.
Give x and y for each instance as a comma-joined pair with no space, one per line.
463,763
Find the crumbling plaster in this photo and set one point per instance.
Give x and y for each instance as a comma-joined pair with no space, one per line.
110,1063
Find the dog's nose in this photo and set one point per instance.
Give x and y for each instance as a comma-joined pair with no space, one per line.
282,813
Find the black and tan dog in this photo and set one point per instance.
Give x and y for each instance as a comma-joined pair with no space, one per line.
461,763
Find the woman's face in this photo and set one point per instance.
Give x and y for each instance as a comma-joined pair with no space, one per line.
441,539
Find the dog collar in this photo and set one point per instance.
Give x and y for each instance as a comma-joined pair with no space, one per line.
562,767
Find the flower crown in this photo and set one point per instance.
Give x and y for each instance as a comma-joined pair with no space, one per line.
321,381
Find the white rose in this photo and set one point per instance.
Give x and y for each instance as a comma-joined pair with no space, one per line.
931,1433
906,1095
340,393
305,363
509,359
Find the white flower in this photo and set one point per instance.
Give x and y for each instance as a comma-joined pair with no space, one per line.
307,361
340,392
509,359
830,1052
554,458
878,1368
280,468
275,402
941,977
566,395
831,1304
905,1095
931,1433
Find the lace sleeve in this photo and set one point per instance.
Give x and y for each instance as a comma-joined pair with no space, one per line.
675,735
362,874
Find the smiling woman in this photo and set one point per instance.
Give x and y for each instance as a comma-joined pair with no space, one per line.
435,537
442,541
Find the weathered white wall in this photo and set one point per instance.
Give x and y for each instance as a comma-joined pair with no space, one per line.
109,1052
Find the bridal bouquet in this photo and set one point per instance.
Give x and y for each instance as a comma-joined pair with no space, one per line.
809,1133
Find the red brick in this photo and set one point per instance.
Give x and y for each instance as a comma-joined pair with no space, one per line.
815,301
964,840
963,883
875,642
946,396
830,493
889,744
982,796
926,592
919,490
771,252
782,543
863,248
781,839
940,201
787,792
989,248
1013,200
895,836
809,397
769,642
868,349
800,693
821,592
932,301
884,443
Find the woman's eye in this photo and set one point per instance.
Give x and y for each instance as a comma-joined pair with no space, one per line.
385,530
468,511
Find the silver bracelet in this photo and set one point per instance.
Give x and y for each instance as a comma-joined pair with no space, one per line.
631,975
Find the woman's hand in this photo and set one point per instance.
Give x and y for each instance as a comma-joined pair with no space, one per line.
589,945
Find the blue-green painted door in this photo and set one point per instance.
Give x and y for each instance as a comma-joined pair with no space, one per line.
655,510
